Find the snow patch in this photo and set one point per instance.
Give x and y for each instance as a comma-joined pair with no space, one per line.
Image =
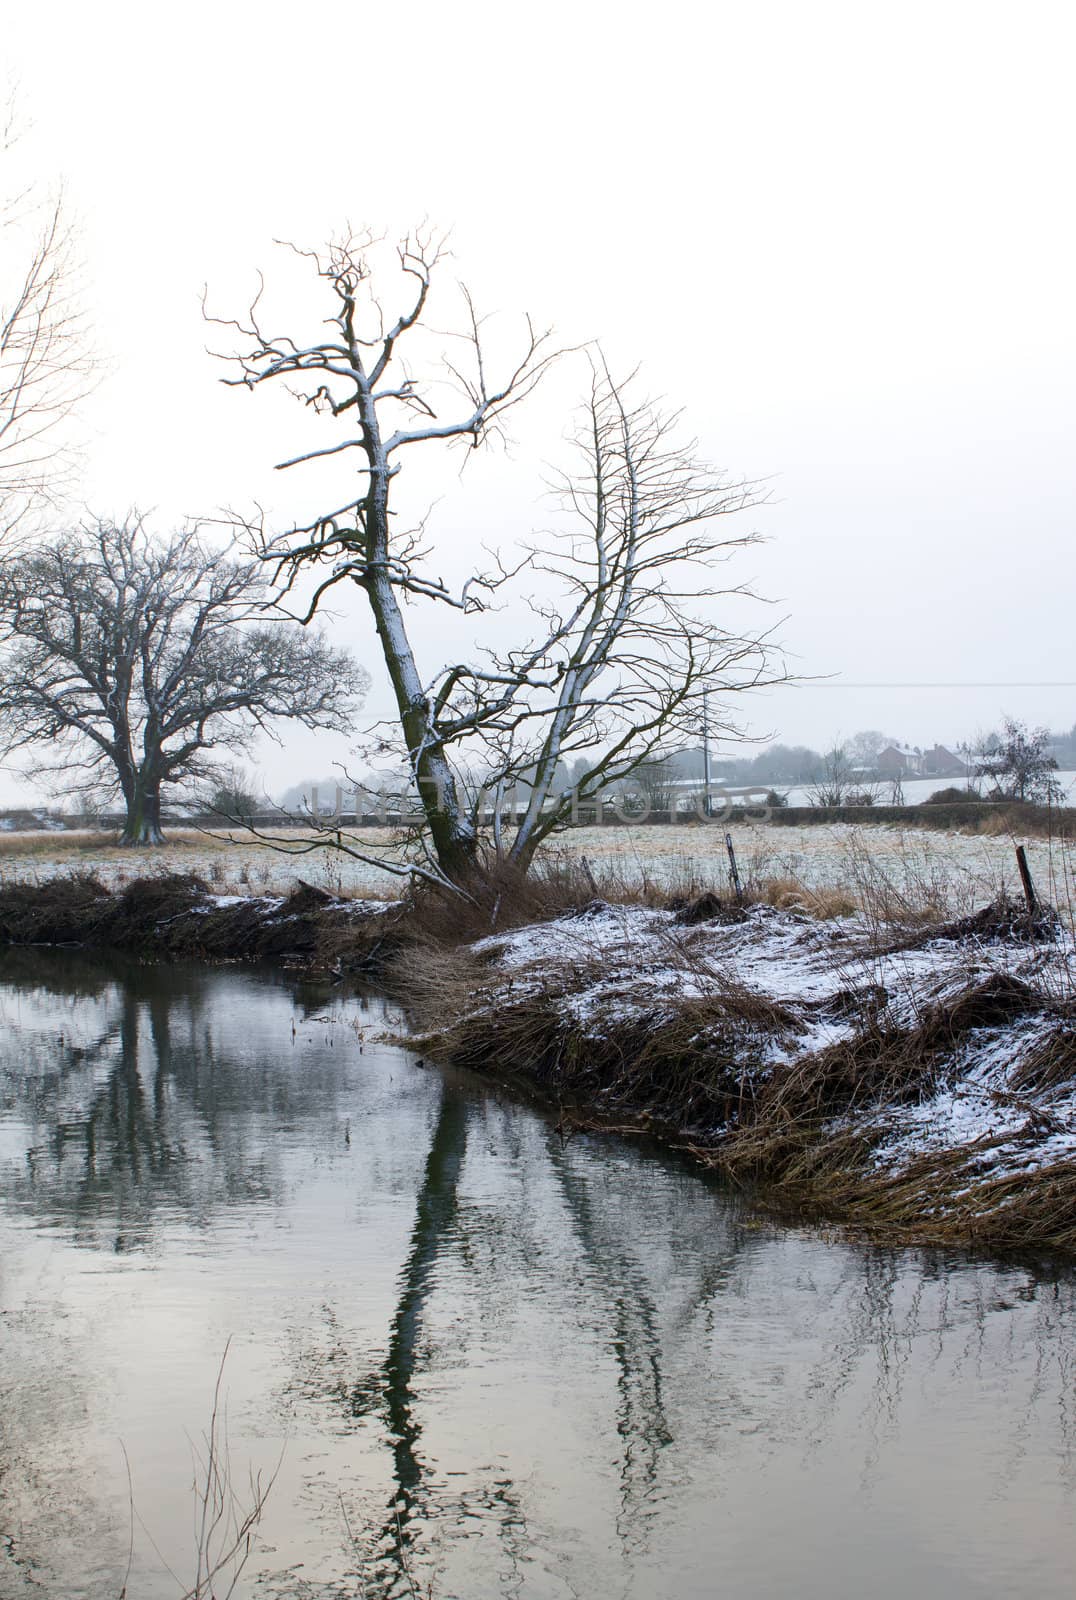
618,964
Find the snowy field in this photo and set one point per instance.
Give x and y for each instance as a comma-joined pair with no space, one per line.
922,867
915,868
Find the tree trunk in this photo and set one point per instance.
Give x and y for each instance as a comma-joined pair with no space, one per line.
452,831
143,826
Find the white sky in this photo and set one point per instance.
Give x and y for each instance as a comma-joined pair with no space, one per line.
841,237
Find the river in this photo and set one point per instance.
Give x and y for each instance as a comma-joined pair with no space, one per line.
478,1357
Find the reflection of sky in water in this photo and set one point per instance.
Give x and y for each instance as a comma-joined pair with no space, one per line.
527,1367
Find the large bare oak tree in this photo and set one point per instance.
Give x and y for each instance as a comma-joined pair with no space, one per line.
625,631
134,659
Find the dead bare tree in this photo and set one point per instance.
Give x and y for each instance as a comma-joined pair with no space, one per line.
134,659
624,639
1020,763
832,784
653,787
46,366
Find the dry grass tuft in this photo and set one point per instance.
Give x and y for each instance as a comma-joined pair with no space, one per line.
1050,1065
709,907
507,899
686,1061
947,1199
792,894
1004,921
558,885
57,911
951,1198
876,1067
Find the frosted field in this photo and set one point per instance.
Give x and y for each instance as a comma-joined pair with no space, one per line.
918,865
952,870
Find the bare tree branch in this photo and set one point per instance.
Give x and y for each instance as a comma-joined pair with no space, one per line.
46,366
632,630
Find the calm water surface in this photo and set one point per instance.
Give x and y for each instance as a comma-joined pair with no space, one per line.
477,1356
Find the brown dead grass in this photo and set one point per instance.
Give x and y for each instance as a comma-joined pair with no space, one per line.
60,845
565,884
504,900
951,1199
792,894
72,843
1051,1065
173,916
875,1067
803,1151
801,1137
681,1062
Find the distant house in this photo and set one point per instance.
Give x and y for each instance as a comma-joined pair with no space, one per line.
896,762
942,763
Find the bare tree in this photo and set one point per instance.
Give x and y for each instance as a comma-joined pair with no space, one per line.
834,780
45,363
653,786
622,643
134,659
864,749
1019,761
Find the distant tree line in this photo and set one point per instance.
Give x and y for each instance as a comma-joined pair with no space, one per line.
1014,763
856,758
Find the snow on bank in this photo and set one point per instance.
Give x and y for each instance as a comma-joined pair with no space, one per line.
268,905
612,966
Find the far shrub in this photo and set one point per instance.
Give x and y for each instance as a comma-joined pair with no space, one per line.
951,797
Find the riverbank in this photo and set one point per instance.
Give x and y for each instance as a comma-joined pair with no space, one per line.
918,1087
909,1076
177,916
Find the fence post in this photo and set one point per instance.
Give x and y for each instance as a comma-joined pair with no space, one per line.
1025,879
734,872
585,864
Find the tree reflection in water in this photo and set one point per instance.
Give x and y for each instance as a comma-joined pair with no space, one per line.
632,1332
551,1367
435,1217
133,1112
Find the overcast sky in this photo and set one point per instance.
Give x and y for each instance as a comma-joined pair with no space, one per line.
840,237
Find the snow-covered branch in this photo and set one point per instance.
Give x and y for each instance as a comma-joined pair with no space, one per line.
631,631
